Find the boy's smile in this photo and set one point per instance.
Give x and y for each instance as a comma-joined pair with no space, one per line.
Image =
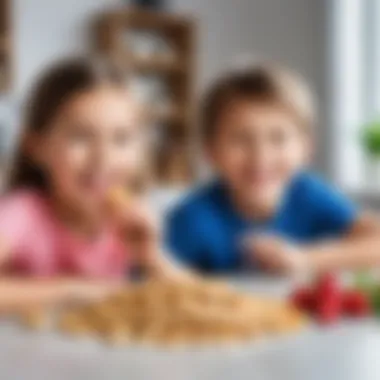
258,148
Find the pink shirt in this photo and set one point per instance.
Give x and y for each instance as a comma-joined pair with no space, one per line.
42,246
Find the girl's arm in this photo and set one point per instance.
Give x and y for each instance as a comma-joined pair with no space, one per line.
16,292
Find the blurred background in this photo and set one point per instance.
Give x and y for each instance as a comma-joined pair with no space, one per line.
175,47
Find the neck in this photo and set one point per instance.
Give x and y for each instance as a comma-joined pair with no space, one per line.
254,209
75,218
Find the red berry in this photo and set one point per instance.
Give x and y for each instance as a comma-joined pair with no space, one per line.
329,299
356,304
304,299
329,310
328,282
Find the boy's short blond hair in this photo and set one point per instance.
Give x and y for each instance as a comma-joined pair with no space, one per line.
263,83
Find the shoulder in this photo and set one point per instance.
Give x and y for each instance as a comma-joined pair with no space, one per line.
315,197
21,217
198,213
21,203
308,180
308,187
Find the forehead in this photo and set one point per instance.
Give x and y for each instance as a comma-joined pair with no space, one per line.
254,112
102,104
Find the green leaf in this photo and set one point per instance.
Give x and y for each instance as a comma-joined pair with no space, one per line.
370,137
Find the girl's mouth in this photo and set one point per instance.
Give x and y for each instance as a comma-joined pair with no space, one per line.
96,185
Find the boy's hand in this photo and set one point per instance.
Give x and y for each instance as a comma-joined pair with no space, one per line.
278,255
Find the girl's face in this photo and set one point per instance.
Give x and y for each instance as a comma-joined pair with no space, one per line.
93,144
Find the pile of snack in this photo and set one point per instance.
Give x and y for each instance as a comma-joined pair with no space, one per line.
328,300
168,313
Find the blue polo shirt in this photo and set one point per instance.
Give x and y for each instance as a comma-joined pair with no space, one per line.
206,233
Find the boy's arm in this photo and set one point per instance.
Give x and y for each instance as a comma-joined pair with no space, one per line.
357,236
359,248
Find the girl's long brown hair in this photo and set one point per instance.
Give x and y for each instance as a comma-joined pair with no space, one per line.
56,86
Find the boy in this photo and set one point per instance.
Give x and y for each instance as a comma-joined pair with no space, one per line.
265,210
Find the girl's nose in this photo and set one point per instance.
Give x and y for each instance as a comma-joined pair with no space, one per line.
101,157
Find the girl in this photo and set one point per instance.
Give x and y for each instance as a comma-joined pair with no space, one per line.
82,137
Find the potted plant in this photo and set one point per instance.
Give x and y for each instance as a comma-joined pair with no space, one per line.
371,145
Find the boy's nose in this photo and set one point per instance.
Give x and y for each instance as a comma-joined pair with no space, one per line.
259,154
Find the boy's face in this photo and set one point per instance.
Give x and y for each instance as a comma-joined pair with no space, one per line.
257,149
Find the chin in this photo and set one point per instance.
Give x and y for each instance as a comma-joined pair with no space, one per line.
263,194
262,187
90,205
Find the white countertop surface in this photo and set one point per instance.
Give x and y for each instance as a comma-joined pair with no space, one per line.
348,351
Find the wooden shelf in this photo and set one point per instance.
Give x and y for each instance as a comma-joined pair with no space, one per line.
156,65
5,46
145,19
157,117
175,71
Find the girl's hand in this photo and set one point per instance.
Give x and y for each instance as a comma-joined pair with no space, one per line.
166,269
138,225
142,233
278,256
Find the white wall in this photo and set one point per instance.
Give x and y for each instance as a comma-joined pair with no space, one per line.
42,31
47,29
291,31
285,30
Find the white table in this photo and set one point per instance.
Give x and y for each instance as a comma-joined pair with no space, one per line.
350,351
